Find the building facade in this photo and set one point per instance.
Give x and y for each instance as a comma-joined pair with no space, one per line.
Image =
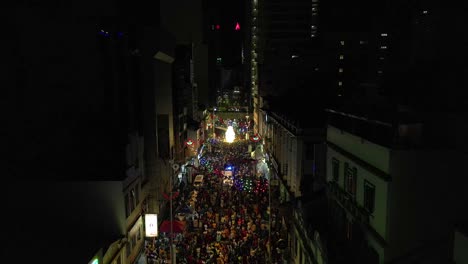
296,158
382,178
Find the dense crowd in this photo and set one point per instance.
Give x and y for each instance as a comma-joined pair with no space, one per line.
229,218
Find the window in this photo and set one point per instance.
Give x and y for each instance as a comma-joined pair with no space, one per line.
342,43
132,200
134,241
369,196
127,206
340,70
341,57
128,249
350,176
336,169
349,229
137,194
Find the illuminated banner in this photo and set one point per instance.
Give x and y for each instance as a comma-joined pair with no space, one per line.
151,225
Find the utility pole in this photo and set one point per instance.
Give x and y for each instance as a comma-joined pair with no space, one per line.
174,168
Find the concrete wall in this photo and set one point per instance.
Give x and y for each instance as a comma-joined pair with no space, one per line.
378,219
460,255
422,201
68,221
373,154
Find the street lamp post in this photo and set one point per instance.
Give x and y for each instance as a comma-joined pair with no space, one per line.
170,219
213,123
247,132
269,219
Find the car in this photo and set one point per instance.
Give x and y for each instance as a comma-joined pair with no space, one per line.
198,182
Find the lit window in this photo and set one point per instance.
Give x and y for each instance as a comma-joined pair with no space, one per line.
383,34
382,58
313,27
314,9
340,70
379,72
294,56
312,35
342,43
383,47
316,69
362,42
425,11
314,13
340,83
339,94
341,57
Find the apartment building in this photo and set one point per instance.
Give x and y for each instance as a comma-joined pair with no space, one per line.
295,152
393,195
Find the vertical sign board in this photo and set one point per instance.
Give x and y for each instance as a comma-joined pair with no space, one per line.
151,225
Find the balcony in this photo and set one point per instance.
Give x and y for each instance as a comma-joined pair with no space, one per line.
348,203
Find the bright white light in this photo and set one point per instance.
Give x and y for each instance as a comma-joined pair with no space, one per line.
230,134
151,225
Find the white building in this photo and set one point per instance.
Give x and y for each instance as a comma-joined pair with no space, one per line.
393,197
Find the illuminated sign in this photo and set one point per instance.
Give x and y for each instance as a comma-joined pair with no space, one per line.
151,225
95,261
237,26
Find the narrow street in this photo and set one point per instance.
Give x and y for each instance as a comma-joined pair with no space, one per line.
226,218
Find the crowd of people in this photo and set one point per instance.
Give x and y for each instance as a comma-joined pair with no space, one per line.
230,217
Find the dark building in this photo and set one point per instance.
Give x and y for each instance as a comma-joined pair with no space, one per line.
224,37
81,145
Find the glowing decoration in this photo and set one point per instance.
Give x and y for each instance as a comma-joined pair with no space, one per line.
237,26
255,138
151,225
218,27
189,143
230,135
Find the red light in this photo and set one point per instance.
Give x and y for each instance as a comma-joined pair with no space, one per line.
218,26
237,26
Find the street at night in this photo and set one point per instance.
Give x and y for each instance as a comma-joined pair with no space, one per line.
228,216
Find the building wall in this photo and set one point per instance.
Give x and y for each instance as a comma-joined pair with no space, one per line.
68,218
373,154
421,201
378,219
460,256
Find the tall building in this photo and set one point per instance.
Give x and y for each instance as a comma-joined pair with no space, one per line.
96,95
280,34
224,35
186,20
